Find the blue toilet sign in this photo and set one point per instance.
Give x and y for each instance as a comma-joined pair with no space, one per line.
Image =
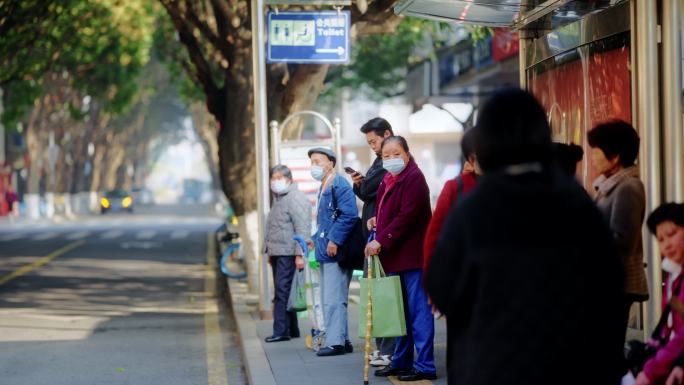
309,37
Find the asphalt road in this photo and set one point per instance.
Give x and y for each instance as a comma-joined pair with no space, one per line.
116,299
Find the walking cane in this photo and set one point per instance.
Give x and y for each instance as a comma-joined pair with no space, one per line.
369,315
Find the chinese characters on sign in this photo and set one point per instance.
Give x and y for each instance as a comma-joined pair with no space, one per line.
308,37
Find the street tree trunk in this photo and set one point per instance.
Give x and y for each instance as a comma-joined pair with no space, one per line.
217,35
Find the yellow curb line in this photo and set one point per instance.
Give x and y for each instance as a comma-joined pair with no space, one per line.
46,259
216,368
396,381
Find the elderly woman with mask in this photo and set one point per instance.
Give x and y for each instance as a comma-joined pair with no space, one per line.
402,217
667,224
289,216
335,217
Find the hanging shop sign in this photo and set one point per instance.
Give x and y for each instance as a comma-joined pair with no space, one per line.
309,37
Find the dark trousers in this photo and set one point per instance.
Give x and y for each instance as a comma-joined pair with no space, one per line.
284,322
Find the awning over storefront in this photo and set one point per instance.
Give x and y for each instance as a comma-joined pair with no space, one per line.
503,13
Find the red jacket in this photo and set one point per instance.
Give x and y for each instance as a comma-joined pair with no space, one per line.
402,219
445,202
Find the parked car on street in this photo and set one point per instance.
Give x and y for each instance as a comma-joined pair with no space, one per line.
116,200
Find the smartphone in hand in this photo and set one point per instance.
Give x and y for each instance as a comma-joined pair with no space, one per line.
350,171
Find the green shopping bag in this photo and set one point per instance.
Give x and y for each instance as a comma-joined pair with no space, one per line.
296,302
387,303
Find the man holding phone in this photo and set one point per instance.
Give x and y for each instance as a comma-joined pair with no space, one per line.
366,188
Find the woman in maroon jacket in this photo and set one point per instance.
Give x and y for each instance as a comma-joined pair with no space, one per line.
402,217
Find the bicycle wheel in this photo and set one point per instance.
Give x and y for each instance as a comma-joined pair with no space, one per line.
230,265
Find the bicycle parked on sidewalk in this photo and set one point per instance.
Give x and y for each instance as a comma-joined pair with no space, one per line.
232,261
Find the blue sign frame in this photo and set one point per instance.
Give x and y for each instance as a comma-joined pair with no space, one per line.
309,37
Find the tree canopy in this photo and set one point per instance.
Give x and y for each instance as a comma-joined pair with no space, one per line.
99,45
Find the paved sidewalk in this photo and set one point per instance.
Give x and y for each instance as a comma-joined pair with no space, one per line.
291,363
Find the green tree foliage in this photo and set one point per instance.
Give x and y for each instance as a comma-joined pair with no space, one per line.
100,45
380,62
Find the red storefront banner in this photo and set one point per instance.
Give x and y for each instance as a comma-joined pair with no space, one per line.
581,93
505,44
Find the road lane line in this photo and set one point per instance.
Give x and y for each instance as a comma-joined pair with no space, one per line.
216,367
395,381
113,234
77,236
147,234
33,266
180,234
44,236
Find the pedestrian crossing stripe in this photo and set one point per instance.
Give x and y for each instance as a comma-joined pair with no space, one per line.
113,234
147,234
106,235
77,236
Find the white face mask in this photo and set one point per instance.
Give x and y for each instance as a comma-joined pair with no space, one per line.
279,186
671,267
394,165
317,172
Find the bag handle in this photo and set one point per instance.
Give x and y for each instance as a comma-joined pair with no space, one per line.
378,271
377,266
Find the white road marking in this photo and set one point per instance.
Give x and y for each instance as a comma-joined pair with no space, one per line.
44,236
141,245
113,234
147,234
180,234
78,235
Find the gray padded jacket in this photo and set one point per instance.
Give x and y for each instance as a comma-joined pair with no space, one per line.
289,216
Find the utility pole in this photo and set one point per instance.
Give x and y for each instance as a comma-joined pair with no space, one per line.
262,164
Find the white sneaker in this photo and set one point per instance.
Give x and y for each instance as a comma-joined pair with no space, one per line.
383,360
374,356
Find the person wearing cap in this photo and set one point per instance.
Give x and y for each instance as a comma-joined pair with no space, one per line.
336,213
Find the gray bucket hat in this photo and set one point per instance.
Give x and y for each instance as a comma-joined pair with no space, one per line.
325,151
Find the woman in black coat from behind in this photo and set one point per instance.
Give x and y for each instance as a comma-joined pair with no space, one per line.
525,270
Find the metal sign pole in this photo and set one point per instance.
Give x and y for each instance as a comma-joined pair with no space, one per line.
262,163
275,143
648,122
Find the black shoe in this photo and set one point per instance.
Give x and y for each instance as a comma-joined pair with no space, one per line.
294,335
348,347
335,350
387,371
277,338
415,375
